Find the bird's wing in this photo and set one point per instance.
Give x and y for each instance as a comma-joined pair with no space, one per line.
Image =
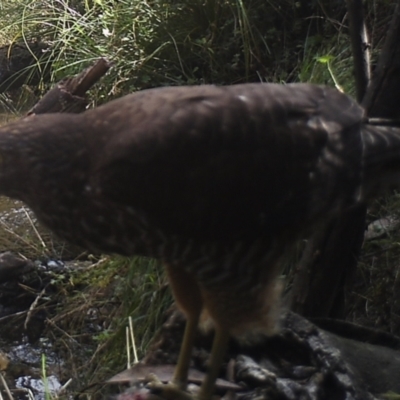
219,161
381,158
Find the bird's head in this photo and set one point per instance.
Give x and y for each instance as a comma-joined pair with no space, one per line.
37,148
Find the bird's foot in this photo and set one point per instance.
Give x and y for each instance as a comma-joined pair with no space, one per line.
167,391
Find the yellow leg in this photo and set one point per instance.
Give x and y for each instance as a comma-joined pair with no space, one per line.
189,299
176,389
182,367
219,347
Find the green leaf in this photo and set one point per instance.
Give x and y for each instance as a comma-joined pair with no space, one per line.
325,59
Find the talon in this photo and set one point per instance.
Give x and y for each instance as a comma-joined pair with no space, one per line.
152,378
167,391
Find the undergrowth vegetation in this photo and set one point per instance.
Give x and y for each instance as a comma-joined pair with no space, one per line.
374,298
91,321
155,43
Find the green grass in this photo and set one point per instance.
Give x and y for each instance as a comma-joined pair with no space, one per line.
94,304
156,43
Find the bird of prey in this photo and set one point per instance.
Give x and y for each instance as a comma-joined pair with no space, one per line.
216,182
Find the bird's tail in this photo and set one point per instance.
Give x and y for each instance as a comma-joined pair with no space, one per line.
381,158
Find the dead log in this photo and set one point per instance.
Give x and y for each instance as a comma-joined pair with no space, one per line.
69,95
302,362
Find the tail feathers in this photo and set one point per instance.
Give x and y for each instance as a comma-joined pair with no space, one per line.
381,158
